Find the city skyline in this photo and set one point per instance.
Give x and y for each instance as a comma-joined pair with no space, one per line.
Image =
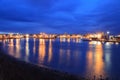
50,16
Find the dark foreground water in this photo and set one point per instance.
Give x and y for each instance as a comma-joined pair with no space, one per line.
72,55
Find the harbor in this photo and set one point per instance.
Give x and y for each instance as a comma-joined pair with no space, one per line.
99,36
85,59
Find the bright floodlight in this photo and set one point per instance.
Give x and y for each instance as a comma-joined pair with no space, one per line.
108,32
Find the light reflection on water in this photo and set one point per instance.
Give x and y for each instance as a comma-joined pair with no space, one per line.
42,50
95,59
17,46
50,51
34,46
69,55
27,46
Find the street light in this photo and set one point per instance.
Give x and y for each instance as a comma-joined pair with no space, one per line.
108,32
108,35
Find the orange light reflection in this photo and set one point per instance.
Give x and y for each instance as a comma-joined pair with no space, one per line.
95,60
42,50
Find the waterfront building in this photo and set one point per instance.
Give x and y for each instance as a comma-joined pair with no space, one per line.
1,36
117,38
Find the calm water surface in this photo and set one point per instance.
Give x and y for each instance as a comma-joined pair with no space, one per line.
72,55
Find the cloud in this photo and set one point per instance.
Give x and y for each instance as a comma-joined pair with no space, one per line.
59,15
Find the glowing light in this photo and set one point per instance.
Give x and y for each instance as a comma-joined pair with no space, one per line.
93,42
1,36
108,32
27,35
116,43
34,36
11,35
99,43
107,43
99,35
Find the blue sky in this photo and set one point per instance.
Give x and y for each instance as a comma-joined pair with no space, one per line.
59,16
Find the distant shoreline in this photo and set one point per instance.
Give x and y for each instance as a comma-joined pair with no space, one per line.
12,69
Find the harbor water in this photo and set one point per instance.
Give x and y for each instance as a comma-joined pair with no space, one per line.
74,56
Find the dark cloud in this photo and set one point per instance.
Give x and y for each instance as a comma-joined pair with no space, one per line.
57,16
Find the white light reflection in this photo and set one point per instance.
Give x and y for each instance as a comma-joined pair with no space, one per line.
61,53
108,54
11,47
62,40
17,48
116,43
50,51
27,46
34,46
108,44
95,42
68,40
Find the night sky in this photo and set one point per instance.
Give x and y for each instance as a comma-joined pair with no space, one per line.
59,16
